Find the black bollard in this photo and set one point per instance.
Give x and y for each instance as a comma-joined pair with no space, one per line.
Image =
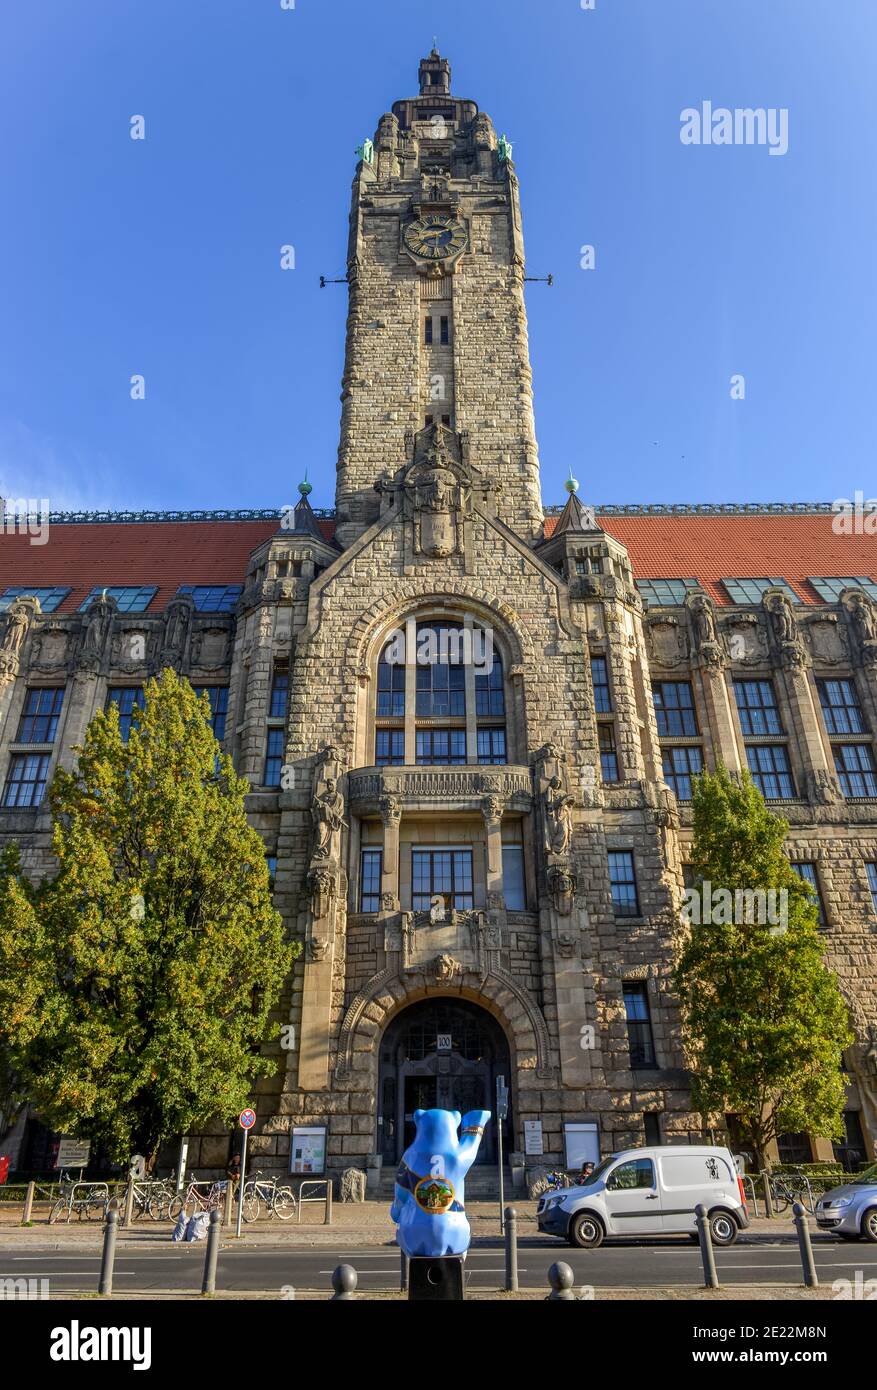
710,1277
811,1278
108,1258
208,1283
344,1281
403,1271
561,1279
511,1250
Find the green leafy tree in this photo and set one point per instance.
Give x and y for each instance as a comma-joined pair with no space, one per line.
136,985
764,1020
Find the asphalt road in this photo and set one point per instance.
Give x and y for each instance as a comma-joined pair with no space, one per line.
628,1264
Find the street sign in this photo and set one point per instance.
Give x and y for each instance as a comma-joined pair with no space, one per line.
247,1119
502,1098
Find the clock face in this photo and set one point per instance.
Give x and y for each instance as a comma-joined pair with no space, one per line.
435,237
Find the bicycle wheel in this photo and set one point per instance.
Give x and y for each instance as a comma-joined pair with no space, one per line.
252,1207
57,1211
781,1199
284,1203
170,1208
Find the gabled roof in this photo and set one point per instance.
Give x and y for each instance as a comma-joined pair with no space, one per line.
708,546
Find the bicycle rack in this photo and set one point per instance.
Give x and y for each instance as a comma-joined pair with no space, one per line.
317,1183
747,1178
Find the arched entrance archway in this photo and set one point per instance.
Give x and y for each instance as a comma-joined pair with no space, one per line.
445,1053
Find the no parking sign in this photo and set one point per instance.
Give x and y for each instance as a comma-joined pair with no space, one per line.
247,1119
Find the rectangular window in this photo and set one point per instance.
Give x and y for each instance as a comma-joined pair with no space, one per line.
840,707
751,590
807,871
444,327
757,707
39,718
440,746
128,698
854,764
218,697
680,765
674,709
608,755
391,690
389,747
871,870
274,750
49,598
129,598
830,590
666,593
639,1026
622,879
489,692
271,861
441,872
279,694
427,332
491,746
769,765
371,864
513,889
441,691
213,598
600,681
26,779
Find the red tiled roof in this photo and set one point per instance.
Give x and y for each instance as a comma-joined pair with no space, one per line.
707,547
751,546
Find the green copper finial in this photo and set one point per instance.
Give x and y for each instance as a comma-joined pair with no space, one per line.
571,484
366,151
305,488
504,150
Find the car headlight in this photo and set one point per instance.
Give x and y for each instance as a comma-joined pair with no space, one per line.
552,1202
839,1202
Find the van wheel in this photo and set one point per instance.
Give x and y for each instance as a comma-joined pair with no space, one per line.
869,1225
586,1231
723,1228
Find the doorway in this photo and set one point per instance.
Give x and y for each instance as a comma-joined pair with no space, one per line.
445,1054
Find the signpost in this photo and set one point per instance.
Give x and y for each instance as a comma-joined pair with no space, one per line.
246,1120
502,1109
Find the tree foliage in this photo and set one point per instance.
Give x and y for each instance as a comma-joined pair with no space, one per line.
764,1019
136,984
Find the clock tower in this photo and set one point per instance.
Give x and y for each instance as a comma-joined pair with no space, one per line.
437,327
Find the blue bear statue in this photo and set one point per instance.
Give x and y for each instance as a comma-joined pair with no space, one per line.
428,1202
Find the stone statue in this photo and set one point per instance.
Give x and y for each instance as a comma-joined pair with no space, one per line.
782,619
98,622
557,805
862,618
327,813
176,631
15,631
704,620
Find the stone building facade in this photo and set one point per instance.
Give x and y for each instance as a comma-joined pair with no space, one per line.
469,726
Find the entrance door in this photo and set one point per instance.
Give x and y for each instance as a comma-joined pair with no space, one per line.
445,1054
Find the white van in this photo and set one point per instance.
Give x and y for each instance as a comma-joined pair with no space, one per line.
643,1192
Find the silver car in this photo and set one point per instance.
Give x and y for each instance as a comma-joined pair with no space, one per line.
851,1209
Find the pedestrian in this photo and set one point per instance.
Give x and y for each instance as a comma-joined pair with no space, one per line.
233,1171
585,1174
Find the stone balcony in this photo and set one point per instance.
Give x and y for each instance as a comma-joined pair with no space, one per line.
436,789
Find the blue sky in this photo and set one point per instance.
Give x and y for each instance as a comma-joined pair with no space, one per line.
161,257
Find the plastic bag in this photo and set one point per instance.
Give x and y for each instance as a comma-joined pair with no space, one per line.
180,1225
198,1226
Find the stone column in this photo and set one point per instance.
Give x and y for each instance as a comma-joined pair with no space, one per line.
492,807
323,922
391,815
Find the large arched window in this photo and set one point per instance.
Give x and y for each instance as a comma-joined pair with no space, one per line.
441,696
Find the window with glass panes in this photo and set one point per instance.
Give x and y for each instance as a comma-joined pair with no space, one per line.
279,695
491,745
490,691
129,598
674,709
513,889
840,707
389,747
622,880
806,870
639,1026
274,750
127,698
445,872
371,861
600,681
871,870
757,707
666,593
26,779
39,718
440,746
213,598
831,589
441,682
854,765
751,590
769,765
50,598
681,763
218,697
608,752
271,861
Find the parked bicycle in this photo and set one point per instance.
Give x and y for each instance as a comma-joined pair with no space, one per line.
280,1201
788,1188
88,1199
211,1200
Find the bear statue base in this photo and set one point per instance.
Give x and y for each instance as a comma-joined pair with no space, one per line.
437,1280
